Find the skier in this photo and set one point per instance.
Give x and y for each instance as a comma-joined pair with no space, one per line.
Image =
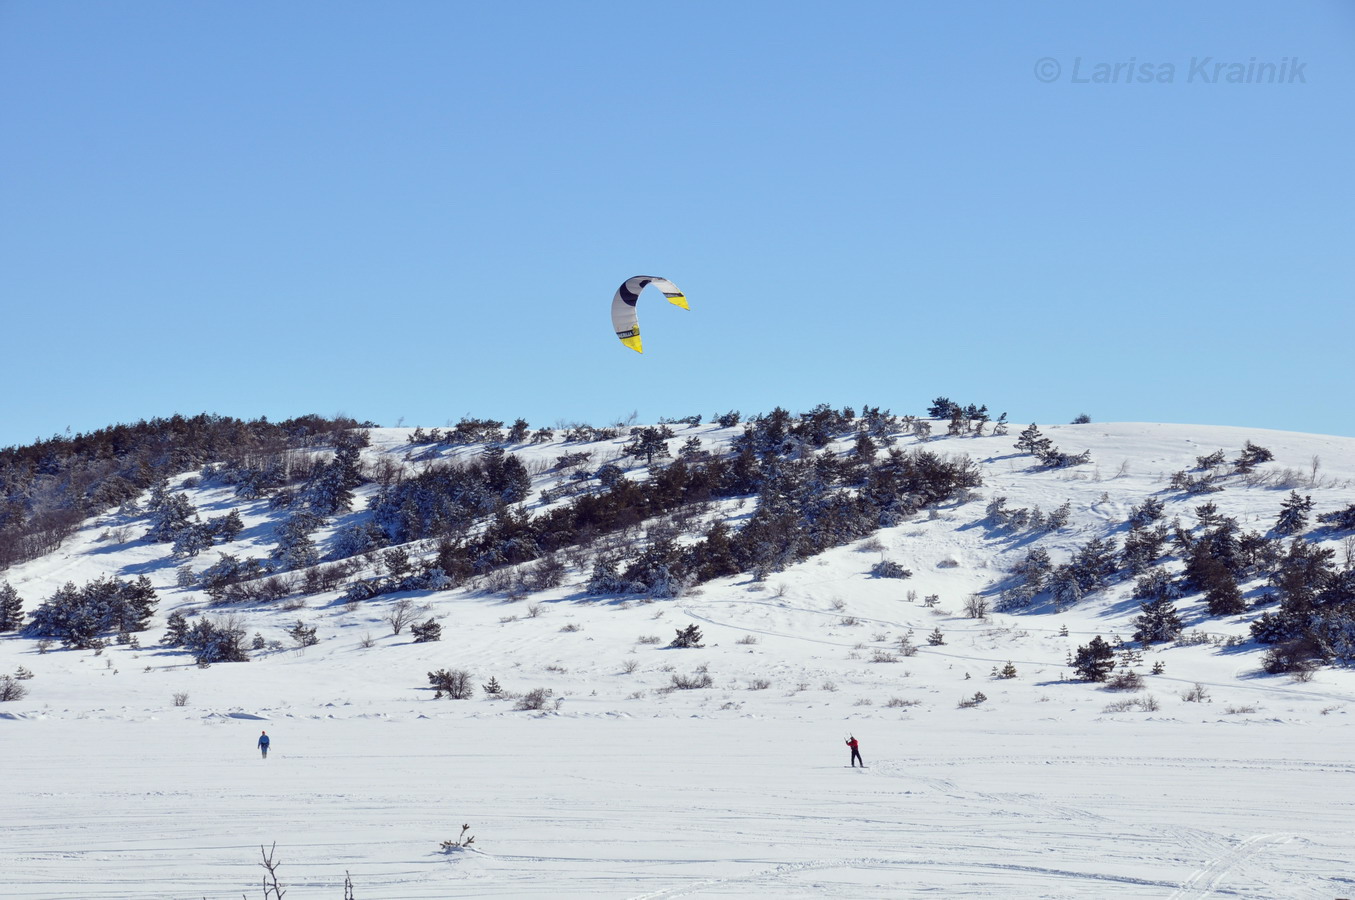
263,744
856,754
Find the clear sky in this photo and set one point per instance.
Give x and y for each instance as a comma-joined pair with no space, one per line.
409,212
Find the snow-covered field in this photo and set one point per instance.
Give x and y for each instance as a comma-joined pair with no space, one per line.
627,789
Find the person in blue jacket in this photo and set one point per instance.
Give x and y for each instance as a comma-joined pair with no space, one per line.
263,744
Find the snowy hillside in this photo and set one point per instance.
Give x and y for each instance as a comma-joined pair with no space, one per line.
612,764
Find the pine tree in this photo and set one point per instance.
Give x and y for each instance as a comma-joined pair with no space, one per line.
1251,457
650,443
942,408
11,608
1094,661
192,539
1224,597
687,637
303,634
176,630
1159,621
228,527
1146,513
426,632
1294,512
170,514
1031,441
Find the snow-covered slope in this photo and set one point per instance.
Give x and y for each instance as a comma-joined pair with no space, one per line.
624,787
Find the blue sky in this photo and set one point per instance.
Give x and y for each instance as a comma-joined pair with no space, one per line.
415,211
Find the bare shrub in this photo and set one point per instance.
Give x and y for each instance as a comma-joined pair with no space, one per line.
1125,680
535,699
274,587
400,614
695,681
455,684
11,689
1146,703
883,656
546,573
1196,694
976,607
318,579
571,627
759,684
499,581
649,639
747,639
181,698
534,611
1239,710
900,703
629,666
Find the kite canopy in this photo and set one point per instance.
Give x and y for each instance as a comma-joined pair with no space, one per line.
624,319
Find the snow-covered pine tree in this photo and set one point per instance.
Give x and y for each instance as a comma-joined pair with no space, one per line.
1031,441
11,608
176,630
1294,512
192,539
1159,621
171,513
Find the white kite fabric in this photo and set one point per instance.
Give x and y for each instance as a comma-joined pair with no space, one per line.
625,319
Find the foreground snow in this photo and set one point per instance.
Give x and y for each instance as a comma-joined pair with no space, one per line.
1048,788
615,806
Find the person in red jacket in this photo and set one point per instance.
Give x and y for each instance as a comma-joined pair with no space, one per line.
856,753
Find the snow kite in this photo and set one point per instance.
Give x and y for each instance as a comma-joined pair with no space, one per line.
624,319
